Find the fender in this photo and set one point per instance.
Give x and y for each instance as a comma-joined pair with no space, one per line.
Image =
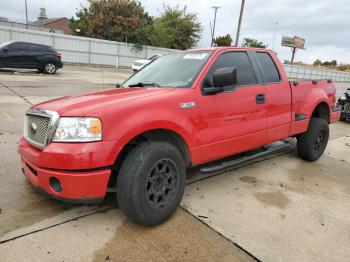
130,127
312,100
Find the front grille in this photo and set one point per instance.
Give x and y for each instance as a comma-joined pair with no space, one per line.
37,128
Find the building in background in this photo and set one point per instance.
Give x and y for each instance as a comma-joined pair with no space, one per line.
58,25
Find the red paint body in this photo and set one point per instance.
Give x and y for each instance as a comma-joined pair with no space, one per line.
220,125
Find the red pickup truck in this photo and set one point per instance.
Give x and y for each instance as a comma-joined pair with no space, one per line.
180,111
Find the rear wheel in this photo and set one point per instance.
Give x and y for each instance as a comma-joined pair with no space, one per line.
312,144
50,68
151,182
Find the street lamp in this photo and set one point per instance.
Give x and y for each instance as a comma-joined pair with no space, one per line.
25,2
274,36
239,22
213,32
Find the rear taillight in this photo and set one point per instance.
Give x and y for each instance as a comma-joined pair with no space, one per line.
58,54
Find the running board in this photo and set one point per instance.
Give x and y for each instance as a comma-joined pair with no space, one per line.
225,164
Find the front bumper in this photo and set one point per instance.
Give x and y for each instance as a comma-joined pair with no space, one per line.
79,186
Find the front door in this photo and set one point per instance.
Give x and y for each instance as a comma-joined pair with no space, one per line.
235,120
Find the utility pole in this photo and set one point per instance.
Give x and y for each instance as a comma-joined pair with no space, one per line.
213,32
239,22
274,36
25,2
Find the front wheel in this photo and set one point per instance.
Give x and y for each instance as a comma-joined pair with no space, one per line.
151,182
50,68
312,144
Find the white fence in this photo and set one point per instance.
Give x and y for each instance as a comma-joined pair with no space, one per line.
83,50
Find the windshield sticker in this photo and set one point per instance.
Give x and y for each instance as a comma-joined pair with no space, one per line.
196,56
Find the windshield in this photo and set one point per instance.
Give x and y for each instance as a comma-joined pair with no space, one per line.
177,70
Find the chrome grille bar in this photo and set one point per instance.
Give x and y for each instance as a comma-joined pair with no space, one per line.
39,126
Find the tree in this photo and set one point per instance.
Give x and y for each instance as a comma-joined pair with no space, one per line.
333,62
251,42
223,40
176,28
317,62
117,20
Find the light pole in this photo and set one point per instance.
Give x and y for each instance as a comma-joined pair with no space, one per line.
274,36
213,32
25,2
239,22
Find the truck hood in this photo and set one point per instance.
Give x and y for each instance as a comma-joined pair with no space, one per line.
85,104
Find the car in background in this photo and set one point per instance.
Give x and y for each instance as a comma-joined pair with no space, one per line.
30,56
344,103
138,64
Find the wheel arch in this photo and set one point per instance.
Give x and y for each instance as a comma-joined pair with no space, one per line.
156,135
322,111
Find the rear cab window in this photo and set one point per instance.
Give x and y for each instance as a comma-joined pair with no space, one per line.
268,68
239,60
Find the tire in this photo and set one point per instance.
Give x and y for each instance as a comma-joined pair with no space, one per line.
151,183
312,144
50,68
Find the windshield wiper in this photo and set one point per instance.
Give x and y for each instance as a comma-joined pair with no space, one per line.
144,84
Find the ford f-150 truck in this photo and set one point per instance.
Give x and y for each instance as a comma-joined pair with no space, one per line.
180,111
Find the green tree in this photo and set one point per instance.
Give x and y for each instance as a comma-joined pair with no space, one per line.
223,40
251,42
343,67
176,28
317,62
117,20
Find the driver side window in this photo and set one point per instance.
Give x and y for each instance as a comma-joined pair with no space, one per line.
240,60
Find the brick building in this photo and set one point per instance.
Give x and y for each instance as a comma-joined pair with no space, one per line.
61,23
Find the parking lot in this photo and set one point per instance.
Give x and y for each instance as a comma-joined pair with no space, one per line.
275,209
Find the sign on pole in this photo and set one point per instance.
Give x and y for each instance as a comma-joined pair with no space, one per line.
295,43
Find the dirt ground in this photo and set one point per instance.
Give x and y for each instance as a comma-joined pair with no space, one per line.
278,209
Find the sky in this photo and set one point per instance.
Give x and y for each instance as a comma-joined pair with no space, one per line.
324,24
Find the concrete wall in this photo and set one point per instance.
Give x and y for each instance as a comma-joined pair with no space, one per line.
299,72
85,50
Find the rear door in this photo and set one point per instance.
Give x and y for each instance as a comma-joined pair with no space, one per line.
34,54
235,120
278,97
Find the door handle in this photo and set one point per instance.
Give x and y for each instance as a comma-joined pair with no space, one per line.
260,99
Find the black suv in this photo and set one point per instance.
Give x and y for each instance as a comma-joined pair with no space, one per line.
30,56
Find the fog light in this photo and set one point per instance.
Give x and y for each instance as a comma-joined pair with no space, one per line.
55,184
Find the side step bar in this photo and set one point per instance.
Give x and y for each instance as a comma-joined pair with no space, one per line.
225,164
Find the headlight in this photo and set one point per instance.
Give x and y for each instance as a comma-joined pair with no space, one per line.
78,129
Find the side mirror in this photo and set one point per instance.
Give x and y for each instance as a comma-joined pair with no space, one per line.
222,77
118,86
225,76
5,49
